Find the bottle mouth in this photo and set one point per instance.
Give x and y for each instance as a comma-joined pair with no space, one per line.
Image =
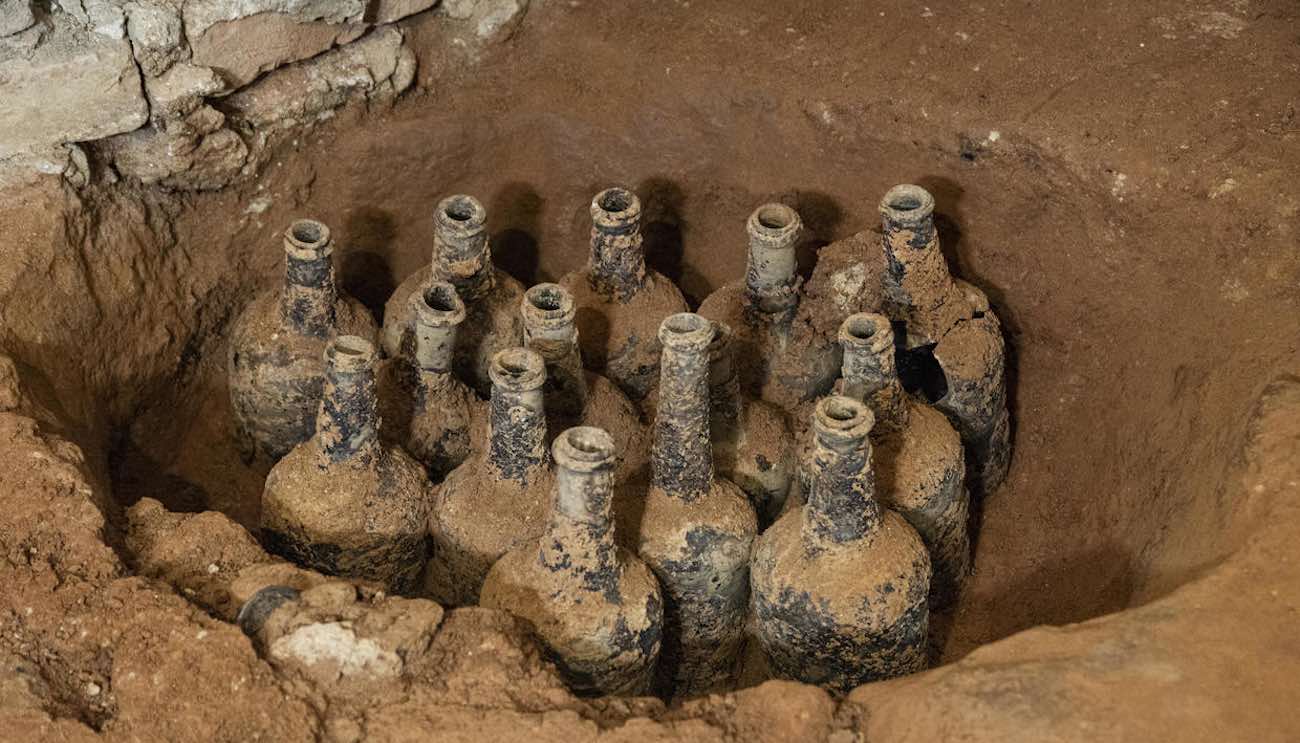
548,305
867,330
461,213
907,204
438,304
776,224
308,237
350,354
585,448
616,209
517,370
686,331
842,418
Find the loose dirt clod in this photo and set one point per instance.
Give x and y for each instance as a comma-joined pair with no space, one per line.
345,503
275,360
595,606
620,300
781,355
426,408
498,498
462,257
840,584
696,529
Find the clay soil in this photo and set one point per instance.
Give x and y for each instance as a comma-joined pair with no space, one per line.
1120,178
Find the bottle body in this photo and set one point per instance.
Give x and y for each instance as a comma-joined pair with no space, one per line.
498,498
275,369
595,606
462,257
696,529
620,301
840,584
344,503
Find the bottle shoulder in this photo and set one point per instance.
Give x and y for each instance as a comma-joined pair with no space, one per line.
471,499
723,511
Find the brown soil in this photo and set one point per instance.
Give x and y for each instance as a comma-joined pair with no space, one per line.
1120,181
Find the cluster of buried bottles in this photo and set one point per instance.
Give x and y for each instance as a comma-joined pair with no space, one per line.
649,488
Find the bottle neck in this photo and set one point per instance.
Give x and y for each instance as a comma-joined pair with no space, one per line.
579,538
566,379
517,444
724,383
917,273
347,423
682,456
872,378
841,504
464,259
309,296
618,268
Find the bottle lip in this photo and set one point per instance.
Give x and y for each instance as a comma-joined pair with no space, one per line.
517,370
349,354
907,204
867,330
686,331
615,208
842,418
548,305
585,449
308,239
461,215
437,304
776,225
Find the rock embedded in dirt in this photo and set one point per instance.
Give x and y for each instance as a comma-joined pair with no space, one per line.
463,257
840,584
694,529
620,300
344,502
596,607
498,498
781,355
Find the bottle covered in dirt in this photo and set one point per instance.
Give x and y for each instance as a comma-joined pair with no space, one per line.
345,503
695,529
575,396
499,497
620,300
426,408
840,583
595,606
752,443
781,354
919,464
949,320
463,258
275,361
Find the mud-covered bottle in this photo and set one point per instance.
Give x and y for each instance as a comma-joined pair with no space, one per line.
574,395
951,340
275,358
919,464
620,300
425,407
344,503
781,354
499,497
696,528
463,258
595,606
752,442
840,583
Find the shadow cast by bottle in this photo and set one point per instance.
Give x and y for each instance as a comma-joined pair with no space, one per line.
516,210
365,272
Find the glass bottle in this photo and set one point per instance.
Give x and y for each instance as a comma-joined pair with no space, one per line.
426,408
275,359
344,503
575,396
595,606
497,498
840,583
781,355
919,464
462,257
752,443
695,529
620,300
